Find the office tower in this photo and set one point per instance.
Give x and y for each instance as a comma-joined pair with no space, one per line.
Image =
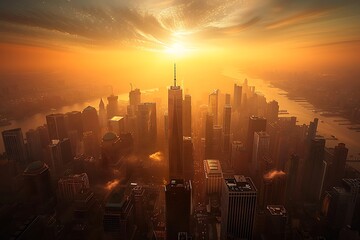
188,158
238,207
226,129
237,97
112,106
109,149
34,145
214,105
146,124
73,122
273,189
312,129
116,124
260,149
256,124
60,155
275,222
176,165
227,99
14,145
239,157
166,126
56,126
135,97
152,120
177,207
71,185
217,142
213,176
187,115
91,121
37,182
138,195
209,136
102,114
90,144
118,214
313,170
292,186
44,135
341,205
339,162
272,111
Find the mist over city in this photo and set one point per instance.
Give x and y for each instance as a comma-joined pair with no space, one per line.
180,120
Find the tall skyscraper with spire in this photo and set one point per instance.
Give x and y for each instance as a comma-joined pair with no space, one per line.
176,164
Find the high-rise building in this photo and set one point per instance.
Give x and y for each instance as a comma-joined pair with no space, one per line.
146,124
152,120
214,105
239,157
273,189
213,176
112,108
260,149
90,120
312,129
292,186
226,129
177,207
176,165
188,158
90,144
14,145
37,182
56,126
118,215
135,97
256,124
314,169
238,207
102,114
237,97
60,155
138,194
34,145
187,115
116,124
71,185
227,99
272,111
275,222
209,136
73,122
339,161
217,142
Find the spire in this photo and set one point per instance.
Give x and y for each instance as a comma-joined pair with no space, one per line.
174,74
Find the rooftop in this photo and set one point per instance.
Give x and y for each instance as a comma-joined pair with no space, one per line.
109,136
35,168
276,210
116,118
240,183
178,183
212,166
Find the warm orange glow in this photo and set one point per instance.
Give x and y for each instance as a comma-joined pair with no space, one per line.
112,184
157,156
273,174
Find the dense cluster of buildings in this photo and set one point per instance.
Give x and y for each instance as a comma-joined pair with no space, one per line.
234,169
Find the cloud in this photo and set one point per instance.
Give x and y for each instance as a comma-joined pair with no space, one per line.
152,24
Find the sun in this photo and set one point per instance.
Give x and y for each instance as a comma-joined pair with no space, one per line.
177,49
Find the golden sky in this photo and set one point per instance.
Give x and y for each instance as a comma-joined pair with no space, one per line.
139,40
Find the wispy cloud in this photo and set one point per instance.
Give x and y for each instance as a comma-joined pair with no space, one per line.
152,23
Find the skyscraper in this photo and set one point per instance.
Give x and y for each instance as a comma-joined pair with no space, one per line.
34,145
187,116
90,120
260,149
73,122
71,185
209,135
177,207
226,129
56,126
214,105
237,97
176,165
272,111
213,176
188,158
14,145
273,189
134,101
102,114
60,155
112,106
256,124
238,206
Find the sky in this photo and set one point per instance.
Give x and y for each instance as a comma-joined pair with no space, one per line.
139,40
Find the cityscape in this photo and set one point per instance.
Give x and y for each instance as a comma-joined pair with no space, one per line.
180,120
